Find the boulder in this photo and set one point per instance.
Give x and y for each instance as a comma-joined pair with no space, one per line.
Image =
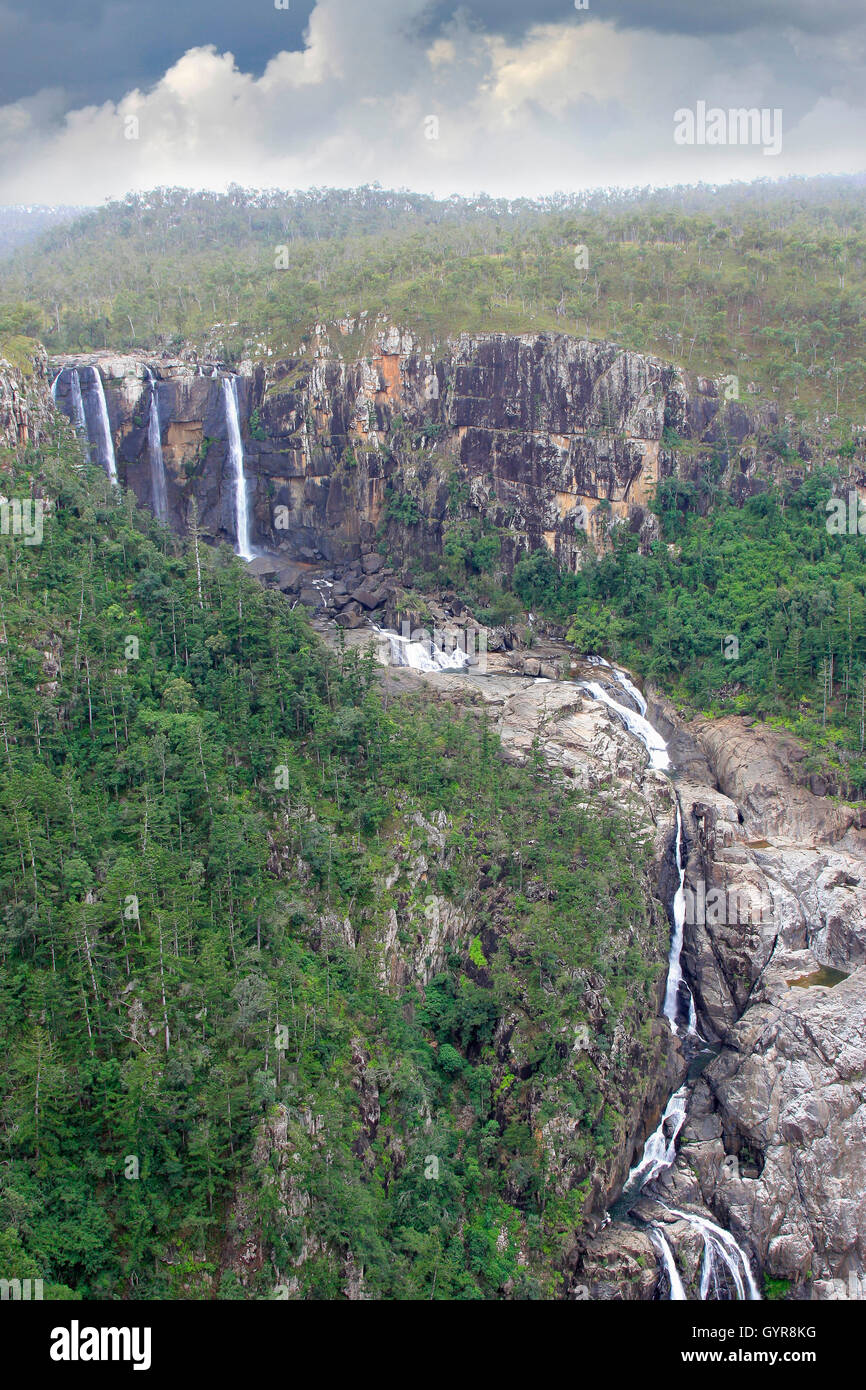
368,598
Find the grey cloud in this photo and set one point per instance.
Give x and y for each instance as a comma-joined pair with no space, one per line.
696,18
96,50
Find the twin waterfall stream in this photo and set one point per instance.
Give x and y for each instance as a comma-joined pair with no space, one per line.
103,443
236,457
154,449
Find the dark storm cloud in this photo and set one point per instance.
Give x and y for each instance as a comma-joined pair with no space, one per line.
697,18
96,50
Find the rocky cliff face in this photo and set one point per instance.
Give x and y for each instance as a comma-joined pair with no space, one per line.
774,1145
552,439
776,1140
25,400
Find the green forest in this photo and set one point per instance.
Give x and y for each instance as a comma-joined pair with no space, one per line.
209,819
766,280
755,609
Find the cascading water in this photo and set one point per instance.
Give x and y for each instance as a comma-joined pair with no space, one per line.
106,451
660,1149
660,1241
79,419
423,656
675,966
159,498
720,1250
649,737
236,456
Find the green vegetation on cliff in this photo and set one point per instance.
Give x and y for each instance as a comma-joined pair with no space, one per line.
757,609
210,826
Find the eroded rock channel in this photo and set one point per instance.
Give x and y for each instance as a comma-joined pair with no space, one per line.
750,1159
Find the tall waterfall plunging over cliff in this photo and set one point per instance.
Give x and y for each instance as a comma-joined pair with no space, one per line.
159,498
105,448
236,455
79,418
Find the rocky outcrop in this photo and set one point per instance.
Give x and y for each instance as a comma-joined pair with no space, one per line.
25,400
777,1130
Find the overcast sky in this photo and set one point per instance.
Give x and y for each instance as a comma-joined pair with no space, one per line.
99,97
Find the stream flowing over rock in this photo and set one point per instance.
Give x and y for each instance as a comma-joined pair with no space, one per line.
770,1145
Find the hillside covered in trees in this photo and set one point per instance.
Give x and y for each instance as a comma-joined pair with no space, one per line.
209,820
765,280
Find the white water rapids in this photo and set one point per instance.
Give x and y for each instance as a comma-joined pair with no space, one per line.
722,1256
636,723
422,656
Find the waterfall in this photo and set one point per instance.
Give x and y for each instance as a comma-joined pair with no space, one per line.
637,724
236,456
423,656
106,453
159,500
79,419
657,748
660,1241
660,1149
78,416
675,967
720,1247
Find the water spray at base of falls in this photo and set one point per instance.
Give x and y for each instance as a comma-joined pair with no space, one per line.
723,1259
236,457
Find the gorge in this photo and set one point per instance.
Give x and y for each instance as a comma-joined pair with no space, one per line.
745,1152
